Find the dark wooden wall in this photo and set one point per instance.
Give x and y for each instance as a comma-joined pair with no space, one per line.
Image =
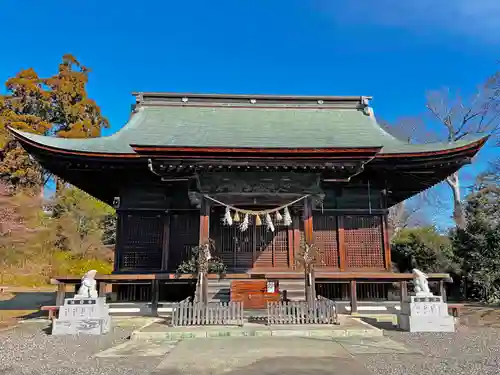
157,227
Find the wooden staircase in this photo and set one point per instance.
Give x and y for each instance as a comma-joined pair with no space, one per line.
219,290
296,288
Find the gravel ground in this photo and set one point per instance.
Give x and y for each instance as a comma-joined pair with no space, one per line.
469,351
29,350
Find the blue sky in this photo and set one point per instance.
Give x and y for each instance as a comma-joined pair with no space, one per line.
381,48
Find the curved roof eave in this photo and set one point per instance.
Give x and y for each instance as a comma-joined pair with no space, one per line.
106,147
473,143
67,145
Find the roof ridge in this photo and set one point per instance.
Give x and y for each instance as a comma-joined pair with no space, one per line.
159,98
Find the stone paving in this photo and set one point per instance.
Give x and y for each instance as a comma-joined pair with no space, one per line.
259,355
348,326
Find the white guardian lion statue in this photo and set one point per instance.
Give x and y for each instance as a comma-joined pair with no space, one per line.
420,283
88,289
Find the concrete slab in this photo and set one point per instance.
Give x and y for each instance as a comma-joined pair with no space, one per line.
138,348
349,327
232,355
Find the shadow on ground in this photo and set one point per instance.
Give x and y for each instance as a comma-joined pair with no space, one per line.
386,326
28,300
24,305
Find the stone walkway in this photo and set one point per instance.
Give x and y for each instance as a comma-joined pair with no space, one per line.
260,355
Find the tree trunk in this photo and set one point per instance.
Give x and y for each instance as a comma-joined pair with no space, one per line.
453,182
396,219
201,293
310,287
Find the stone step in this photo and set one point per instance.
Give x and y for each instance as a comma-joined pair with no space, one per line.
295,289
348,327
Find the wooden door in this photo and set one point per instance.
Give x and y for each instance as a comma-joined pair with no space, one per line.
253,293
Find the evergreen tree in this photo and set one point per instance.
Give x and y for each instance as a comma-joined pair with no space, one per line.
58,106
477,246
423,248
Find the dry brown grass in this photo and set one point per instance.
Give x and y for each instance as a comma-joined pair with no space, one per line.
480,316
10,318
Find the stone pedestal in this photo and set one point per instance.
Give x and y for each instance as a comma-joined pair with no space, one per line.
82,315
425,314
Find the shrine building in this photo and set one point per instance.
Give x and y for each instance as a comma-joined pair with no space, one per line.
260,175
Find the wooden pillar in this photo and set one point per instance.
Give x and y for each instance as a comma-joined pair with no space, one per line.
166,242
354,298
296,238
308,221
403,291
291,255
61,294
204,221
442,290
102,289
202,287
341,243
155,296
387,243
309,239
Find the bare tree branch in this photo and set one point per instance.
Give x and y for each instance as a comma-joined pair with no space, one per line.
457,118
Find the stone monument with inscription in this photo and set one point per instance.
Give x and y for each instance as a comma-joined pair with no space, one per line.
425,312
86,313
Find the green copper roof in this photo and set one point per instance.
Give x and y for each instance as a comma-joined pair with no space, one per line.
227,125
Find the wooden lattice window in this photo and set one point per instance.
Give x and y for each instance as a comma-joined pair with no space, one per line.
184,235
326,240
141,240
233,246
363,239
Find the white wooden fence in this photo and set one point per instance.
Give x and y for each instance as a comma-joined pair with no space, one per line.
211,313
323,311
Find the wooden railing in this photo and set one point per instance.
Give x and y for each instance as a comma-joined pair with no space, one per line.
323,311
211,313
